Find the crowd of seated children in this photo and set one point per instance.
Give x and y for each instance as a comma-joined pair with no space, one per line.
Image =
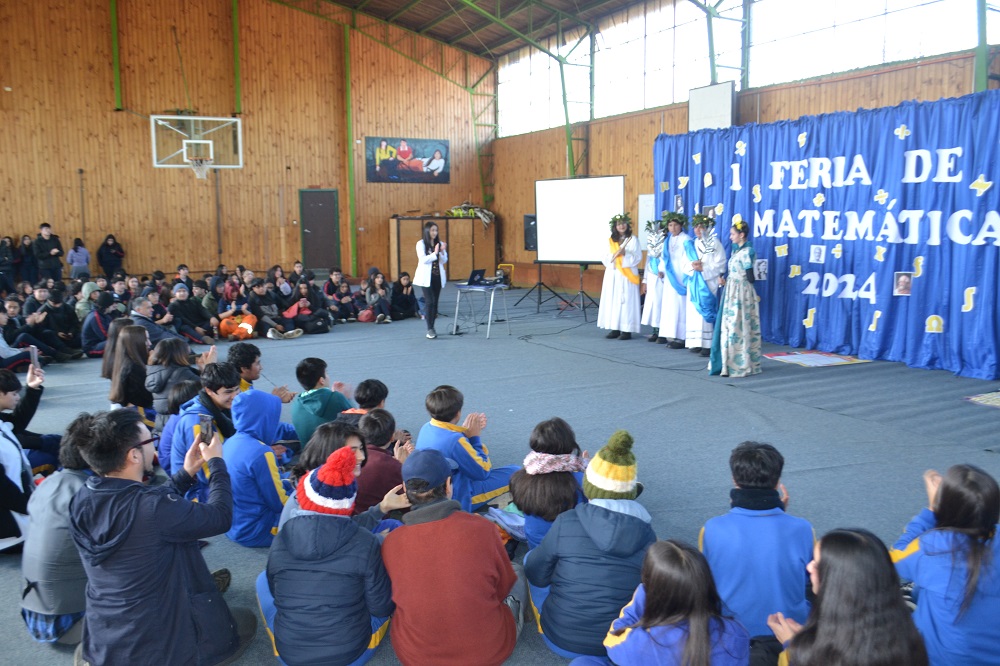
233,310
245,357
370,394
169,364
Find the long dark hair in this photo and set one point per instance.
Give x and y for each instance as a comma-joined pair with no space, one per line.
859,617
429,243
547,495
171,351
618,239
680,588
131,357
968,502
108,358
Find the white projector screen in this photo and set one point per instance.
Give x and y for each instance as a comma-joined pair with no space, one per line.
572,217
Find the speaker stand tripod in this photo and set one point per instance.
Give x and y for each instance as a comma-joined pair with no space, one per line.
539,286
581,298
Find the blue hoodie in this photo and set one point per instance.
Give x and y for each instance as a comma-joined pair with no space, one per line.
185,434
259,489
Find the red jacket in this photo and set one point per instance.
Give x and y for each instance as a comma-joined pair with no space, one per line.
381,473
450,575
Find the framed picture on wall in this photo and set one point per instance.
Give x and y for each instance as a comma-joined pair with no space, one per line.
403,160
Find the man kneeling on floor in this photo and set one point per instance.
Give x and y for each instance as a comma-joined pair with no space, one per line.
150,596
467,607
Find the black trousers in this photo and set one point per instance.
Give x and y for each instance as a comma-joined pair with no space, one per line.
431,295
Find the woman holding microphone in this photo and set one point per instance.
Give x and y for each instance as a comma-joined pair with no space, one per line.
431,276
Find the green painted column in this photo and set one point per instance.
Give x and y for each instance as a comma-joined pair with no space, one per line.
116,65
351,220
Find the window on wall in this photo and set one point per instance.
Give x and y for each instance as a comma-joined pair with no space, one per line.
793,40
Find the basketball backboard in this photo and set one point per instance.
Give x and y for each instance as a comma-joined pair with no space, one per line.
177,140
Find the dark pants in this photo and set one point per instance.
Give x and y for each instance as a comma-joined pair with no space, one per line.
24,340
431,295
54,273
17,362
381,307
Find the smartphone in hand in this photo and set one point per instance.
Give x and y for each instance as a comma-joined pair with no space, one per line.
206,428
33,350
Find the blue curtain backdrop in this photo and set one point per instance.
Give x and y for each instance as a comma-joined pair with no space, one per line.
844,208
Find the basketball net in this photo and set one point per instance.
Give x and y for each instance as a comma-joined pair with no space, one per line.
201,167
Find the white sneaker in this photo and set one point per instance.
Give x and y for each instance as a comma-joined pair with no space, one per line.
273,334
291,335
431,334
388,320
380,319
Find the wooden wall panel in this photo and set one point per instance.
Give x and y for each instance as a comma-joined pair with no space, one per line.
393,96
58,118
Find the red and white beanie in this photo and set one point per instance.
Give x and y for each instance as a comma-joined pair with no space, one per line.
330,488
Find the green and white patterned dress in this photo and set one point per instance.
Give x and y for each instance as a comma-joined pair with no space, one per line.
739,318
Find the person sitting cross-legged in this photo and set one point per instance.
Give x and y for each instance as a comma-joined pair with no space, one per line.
321,400
459,600
150,596
191,318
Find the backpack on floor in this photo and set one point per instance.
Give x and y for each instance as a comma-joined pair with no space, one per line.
367,315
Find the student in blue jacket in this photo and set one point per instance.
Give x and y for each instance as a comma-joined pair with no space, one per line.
477,481
260,489
949,551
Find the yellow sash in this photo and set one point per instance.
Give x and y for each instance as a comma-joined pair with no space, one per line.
624,270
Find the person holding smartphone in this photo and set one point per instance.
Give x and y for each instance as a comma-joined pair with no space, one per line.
139,548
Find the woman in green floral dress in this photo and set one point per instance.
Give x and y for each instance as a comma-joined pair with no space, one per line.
736,345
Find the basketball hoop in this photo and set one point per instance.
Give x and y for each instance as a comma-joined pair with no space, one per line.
201,167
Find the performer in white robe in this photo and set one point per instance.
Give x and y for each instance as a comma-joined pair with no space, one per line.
619,307
711,263
673,305
653,278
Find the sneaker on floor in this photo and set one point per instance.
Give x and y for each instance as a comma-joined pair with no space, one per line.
273,334
291,335
254,335
78,659
76,353
352,319
380,319
388,319
232,338
431,334
625,336
343,320
222,579
613,334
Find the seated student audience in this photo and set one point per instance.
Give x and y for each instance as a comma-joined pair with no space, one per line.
15,469
259,487
347,307
128,376
139,546
859,616
132,286
179,394
267,307
388,449
17,334
308,310
317,403
213,295
119,290
142,315
758,552
61,318
114,331
12,359
477,481
675,617
950,551
191,319
220,383
54,598
379,299
276,276
245,356
438,621
332,284
86,303
237,323
361,297
551,480
183,277
591,559
370,394
37,330
404,299
16,413
159,314
298,272
325,579
34,302
169,364
198,292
